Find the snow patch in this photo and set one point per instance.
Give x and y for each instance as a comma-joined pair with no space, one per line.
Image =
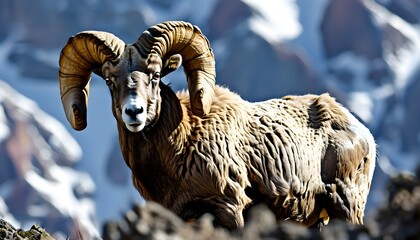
361,104
59,191
275,21
407,59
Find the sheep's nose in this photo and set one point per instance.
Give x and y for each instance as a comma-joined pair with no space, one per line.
133,112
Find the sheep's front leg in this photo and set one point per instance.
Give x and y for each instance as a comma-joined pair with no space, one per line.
227,214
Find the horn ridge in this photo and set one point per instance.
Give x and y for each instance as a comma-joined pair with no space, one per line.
177,37
83,53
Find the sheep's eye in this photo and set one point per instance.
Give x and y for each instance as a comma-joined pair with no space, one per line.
108,81
156,76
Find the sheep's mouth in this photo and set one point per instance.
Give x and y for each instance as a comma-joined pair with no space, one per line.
135,127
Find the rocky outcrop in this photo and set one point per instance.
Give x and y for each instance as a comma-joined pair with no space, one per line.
154,222
8,232
398,218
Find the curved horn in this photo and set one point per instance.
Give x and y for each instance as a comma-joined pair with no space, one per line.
183,38
85,52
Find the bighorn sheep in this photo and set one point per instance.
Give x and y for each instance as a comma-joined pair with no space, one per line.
211,151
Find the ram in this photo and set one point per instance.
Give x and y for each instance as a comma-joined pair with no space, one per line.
208,150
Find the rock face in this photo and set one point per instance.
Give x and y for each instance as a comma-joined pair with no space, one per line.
37,179
268,77
408,10
348,26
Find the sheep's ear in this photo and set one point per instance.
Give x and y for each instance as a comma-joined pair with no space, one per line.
171,64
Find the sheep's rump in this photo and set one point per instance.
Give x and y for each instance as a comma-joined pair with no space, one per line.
310,154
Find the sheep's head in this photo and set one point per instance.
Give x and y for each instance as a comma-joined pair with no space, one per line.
134,83
133,72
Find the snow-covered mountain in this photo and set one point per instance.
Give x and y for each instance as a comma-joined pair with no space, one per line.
38,182
366,53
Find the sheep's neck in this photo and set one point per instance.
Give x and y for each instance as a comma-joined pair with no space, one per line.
145,152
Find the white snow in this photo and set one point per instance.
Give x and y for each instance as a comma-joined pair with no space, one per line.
59,192
407,60
361,104
275,21
311,14
4,128
6,215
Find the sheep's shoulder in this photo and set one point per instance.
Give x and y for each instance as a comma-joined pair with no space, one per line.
225,98
321,109
224,101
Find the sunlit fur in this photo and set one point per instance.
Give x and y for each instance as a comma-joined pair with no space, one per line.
306,157
298,154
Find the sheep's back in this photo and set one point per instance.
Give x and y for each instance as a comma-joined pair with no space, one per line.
287,144
288,135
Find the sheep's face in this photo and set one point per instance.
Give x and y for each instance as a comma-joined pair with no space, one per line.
134,85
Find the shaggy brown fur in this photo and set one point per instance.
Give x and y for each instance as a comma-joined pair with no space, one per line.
298,154
306,157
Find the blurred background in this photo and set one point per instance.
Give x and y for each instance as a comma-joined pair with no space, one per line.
365,53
